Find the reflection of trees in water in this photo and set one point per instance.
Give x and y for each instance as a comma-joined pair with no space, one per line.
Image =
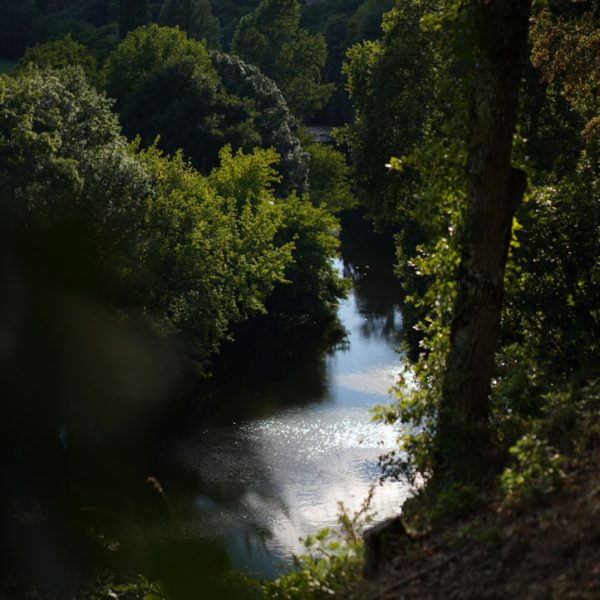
377,294
385,327
259,539
252,378
368,262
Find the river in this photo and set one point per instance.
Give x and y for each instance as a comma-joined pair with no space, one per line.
257,483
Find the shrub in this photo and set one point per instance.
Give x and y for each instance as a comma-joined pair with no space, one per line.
331,566
538,469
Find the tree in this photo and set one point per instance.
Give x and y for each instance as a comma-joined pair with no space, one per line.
132,14
68,185
313,287
343,23
271,38
329,178
555,286
212,255
166,85
146,51
61,53
548,286
495,189
566,50
194,17
390,82
274,121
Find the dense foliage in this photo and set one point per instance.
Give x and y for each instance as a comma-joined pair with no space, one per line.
548,345
101,24
67,171
273,121
165,85
330,178
390,85
195,253
56,54
192,99
209,208
343,23
271,38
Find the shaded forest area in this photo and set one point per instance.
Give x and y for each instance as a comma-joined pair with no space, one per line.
159,195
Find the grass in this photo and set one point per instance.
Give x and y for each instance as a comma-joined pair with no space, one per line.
6,65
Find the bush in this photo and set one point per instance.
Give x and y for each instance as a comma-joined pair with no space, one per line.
538,469
331,566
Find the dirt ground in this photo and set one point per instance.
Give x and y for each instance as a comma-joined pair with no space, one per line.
550,550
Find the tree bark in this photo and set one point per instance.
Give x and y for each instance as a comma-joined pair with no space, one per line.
495,189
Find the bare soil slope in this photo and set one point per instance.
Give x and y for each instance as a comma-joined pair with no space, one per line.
549,550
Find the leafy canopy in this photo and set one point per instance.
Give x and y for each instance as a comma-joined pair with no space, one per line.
271,38
57,54
146,231
165,85
329,178
274,121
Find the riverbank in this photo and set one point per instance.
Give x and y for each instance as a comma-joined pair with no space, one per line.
547,549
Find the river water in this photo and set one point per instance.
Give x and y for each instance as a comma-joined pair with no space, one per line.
305,442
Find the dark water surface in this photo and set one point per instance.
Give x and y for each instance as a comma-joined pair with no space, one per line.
258,482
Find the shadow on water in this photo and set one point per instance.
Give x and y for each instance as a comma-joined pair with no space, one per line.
369,261
83,395
250,374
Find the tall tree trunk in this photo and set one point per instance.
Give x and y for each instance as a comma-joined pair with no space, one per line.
495,189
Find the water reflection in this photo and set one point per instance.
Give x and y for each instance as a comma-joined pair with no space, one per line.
368,263
302,439
272,480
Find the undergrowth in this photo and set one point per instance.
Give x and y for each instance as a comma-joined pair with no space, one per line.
331,565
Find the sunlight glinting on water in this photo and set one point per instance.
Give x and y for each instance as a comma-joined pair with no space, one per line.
315,462
269,480
312,438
